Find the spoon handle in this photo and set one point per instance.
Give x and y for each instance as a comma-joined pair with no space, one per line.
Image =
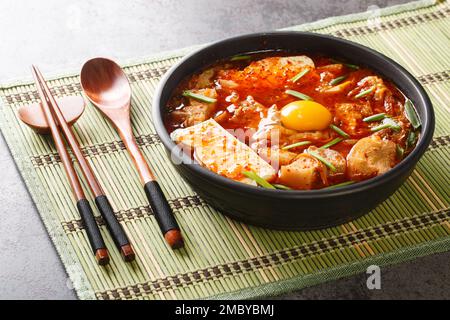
163,214
158,202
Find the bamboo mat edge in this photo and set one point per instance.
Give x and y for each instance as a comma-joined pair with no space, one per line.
300,282
76,274
52,225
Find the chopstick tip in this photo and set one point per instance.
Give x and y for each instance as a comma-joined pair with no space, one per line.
127,253
102,256
174,238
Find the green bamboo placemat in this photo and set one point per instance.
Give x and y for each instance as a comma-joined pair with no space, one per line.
224,258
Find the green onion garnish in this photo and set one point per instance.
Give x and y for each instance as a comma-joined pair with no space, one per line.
339,131
411,114
299,95
375,117
241,57
337,80
400,152
411,139
351,66
387,123
343,184
380,127
281,187
323,160
297,144
262,182
348,65
393,124
331,143
198,97
299,75
364,93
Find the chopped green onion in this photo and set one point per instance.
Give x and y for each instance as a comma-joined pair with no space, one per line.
387,123
198,97
241,57
299,95
323,160
364,93
339,131
300,75
262,182
337,80
343,184
375,117
351,66
331,143
411,114
393,124
297,144
380,127
400,152
281,187
348,65
411,139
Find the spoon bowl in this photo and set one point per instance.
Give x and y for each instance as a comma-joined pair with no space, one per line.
105,83
72,108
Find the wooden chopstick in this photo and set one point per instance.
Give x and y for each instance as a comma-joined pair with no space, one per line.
118,234
86,214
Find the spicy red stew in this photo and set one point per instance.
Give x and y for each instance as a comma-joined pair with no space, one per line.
292,121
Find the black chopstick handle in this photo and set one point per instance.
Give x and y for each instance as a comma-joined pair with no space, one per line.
163,213
92,229
115,229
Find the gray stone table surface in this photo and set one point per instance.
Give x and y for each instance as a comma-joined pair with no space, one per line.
60,34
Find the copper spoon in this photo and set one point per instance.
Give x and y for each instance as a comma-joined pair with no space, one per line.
107,87
72,108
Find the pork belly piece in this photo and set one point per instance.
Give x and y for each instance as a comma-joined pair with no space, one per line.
219,151
268,72
204,79
197,111
334,68
279,66
247,113
350,116
376,84
304,173
370,157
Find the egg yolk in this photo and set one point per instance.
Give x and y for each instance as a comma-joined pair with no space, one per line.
305,115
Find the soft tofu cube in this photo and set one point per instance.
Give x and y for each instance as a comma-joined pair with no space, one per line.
219,151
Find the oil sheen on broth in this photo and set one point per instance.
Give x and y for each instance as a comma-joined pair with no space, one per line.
299,121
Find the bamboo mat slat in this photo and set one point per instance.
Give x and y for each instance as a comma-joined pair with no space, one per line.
224,258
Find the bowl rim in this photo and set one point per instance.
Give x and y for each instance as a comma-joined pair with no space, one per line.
427,128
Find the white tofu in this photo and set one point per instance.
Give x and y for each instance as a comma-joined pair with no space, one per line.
219,151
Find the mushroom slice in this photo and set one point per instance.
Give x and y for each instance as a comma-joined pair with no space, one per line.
370,157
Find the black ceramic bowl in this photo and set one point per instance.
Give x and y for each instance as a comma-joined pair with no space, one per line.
293,210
